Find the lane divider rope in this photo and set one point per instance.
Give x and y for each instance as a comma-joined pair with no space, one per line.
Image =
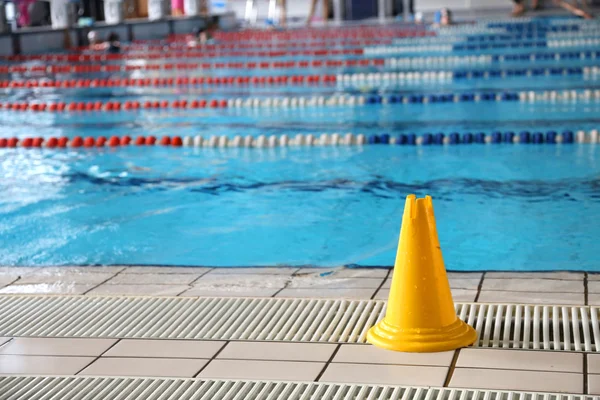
180,54
405,60
314,101
180,81
447,48
272,45
372,62
334,139
373,77
69,68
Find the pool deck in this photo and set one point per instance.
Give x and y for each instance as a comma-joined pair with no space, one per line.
481,368
562,288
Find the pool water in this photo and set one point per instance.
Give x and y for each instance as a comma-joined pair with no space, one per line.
498,207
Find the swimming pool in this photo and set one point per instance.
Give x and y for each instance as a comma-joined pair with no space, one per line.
499,206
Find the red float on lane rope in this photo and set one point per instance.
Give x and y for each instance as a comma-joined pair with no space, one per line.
114,141
176,141
89,142
62,142
77,141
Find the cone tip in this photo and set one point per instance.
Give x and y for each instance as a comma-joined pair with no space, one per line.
412,206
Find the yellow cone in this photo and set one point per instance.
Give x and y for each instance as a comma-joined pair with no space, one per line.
420,313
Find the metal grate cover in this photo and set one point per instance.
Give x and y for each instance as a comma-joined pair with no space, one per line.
566,328
113,388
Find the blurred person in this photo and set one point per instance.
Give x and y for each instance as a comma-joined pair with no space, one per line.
443,17
313,8
112,44
574,8
519,7
202,36
281,20
570,5
177,8
23,10
93,41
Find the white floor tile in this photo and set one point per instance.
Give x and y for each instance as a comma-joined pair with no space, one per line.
92,269
334,283
165,348
164,270
159,367
503,379
278,351
71,278
46,288
138,290
536,275
344,272
521,359
328,293
7,280
533,285
258,370
593,299
46,365
199,291
593,363
594,287
593,384
358,353
220,281
153,279
496,296
255,271
16,272
385,374
57,346
464,275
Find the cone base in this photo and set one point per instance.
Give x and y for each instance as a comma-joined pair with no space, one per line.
451,337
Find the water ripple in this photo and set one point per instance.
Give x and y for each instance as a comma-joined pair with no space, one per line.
565,189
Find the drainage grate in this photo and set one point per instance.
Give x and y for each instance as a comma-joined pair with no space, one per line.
89,388
305,320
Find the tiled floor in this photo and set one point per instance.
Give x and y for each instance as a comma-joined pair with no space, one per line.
562,288
324,362
350,363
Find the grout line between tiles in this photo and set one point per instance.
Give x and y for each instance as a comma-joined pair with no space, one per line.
185,290
516,369
7,342
286,284
381,284
97,358
102,283
211,359
585,374
585,289
328,362
11,283
198,278
451,368
479,288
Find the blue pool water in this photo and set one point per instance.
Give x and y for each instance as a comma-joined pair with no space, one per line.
499,207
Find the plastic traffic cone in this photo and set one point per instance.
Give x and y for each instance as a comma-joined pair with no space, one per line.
420,313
